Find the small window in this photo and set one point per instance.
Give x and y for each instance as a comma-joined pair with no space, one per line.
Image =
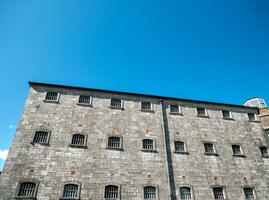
84,100
147,144
70,191
209,148
78,140
111,192
251,117
226,114
236,150
179,146
52,96
174,109
201,112
27,189
146,106
116,103
41,137
249,194
218,193
150,192
264,151
185,193
114,142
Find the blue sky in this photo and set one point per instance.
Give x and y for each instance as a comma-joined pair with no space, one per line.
199,49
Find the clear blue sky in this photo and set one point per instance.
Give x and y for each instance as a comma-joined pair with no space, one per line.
199,49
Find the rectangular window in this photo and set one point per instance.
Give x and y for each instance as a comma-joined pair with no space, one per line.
174,109
226,114
209,148
179,146
201,112
146,106
218,193
116,103
251,117
27,189
185,193
147,144
236,150
249,194
41,137
264,151
52,96
84,100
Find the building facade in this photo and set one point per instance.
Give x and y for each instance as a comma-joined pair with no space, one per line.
89,144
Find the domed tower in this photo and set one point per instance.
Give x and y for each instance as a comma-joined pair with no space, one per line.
264,110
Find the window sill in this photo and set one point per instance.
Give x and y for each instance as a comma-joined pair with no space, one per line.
228,118
149,151
42,144
211,154
255,121
29,198
181,152
150,111
116,108
239,155
203,116
50,101
115,149
176,113
83,104
69,198
78,146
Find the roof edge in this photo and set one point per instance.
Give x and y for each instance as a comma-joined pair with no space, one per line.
140,94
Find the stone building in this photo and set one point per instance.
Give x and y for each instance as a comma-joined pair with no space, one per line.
90,144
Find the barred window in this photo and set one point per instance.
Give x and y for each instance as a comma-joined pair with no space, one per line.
85,100
209,148
146,106
41,137
185,193
226,114
236,150
249,194
264,151
150,192
70,191
27,189
174,109
111,192
114,142
147,144
78,140
51,96
201,111
179,146
251,116
116,103
218,193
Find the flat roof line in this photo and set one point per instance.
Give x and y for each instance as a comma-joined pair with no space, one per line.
145,95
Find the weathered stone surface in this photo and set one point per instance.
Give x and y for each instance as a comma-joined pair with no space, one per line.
96,166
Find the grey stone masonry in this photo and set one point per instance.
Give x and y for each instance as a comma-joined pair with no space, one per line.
92,166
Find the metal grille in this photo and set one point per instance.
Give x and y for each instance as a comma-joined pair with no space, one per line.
248,193
70,190
27,189
236,149
185,193
226,114
174,108
179,146
78,140
149,192
148,144
251,116
111,192
209,148
218,193
264,151
201,112
145,105
114,142
84,100
41,137
51,96
116,103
